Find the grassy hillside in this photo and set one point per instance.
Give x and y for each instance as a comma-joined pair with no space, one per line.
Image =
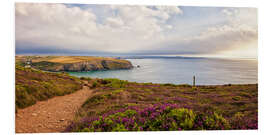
35,85
118,105
125,106
74,59
74,63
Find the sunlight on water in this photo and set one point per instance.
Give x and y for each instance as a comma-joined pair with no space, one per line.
180,71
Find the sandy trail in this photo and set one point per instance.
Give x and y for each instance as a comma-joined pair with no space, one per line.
53,115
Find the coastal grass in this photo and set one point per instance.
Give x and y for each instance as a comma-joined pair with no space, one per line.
35,85
119,105
67,59
73,63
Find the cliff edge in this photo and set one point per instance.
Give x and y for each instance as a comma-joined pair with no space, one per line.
73,63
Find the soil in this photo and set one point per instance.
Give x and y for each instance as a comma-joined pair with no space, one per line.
52,115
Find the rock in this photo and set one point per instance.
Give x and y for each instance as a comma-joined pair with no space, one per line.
61,120
34,114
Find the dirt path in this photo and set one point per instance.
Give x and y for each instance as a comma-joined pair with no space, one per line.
52,115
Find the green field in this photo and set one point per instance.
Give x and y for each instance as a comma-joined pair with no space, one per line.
73,63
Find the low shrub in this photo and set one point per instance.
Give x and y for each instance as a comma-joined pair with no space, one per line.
236,98
34,85
85,78
243,121
94,99
95,84
114,83
185,85
184,117
216,121
158,117
169,84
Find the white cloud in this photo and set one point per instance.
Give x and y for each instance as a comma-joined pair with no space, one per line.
114,22
229,12
215,40
238,16
129,29
72,27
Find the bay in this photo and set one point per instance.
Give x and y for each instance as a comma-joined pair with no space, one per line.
208,71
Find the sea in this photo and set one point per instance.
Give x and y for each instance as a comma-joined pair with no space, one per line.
180,70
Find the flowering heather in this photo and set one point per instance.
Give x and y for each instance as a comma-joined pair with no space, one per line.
156,107
158,117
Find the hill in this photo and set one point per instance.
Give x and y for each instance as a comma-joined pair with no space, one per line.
73,63
119,105
35,85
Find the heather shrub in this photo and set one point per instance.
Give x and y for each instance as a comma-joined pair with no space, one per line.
115,92
236,98
95,84
119,127
216,121
185,85
237,120
85,130
23,98
35,85
243,121
245,94
94,99
184,117
114,83
169,84
85,78
133,108
158,117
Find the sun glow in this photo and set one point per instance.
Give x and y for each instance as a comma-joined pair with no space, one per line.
246,51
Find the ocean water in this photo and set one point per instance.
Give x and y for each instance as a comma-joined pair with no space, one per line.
208,71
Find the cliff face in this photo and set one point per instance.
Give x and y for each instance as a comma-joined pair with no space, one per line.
77,64
90,66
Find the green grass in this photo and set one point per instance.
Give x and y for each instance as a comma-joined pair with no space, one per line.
73,63
219,107
35,85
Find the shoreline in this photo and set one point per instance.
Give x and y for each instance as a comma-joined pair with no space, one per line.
226,102
153,82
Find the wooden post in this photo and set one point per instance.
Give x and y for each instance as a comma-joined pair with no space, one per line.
194,81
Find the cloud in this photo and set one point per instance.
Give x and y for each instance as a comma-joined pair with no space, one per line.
131,29
72,27
214,40
238,16
114,22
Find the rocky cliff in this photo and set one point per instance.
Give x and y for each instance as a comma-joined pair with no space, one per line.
79,63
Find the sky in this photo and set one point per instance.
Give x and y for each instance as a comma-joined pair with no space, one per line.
85,29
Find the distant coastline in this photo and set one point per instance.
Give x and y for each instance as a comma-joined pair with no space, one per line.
108,97
72,63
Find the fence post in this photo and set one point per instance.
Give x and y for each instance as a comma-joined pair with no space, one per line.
194,81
